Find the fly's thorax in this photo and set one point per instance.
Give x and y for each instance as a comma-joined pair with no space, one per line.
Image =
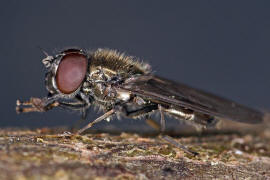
118,63
100,83
109,68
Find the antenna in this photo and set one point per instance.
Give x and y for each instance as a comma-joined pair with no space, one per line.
43,51
47,60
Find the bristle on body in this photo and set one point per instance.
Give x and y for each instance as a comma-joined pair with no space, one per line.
119,62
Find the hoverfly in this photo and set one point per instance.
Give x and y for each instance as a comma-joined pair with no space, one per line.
121,85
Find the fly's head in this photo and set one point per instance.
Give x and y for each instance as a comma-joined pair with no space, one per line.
66,72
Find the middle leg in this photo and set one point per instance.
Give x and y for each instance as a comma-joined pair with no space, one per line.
167,138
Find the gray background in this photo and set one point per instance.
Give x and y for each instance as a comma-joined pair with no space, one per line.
219,46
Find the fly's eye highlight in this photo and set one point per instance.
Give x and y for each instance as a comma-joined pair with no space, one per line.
71,72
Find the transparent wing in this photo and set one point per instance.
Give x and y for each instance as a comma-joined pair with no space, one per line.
167,92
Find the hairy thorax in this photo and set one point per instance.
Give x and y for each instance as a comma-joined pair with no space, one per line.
108,69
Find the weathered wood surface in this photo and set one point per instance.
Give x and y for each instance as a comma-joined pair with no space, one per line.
45,154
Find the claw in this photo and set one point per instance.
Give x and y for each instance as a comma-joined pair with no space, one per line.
35,105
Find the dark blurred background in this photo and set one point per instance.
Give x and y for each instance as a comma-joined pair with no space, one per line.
219,46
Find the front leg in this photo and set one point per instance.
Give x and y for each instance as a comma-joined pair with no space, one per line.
47,103
36,105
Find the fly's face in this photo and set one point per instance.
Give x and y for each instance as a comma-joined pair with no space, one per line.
66,72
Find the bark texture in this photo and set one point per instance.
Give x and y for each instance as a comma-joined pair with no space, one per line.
47,154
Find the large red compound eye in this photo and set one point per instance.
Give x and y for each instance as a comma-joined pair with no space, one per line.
71,72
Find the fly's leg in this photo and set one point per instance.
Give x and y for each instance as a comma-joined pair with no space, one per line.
45,104
84,114
83,104
160,127
36,105
178,145
167,138
162,119
119,108
76,106
104,116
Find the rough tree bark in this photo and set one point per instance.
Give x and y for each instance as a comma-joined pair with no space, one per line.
47,154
